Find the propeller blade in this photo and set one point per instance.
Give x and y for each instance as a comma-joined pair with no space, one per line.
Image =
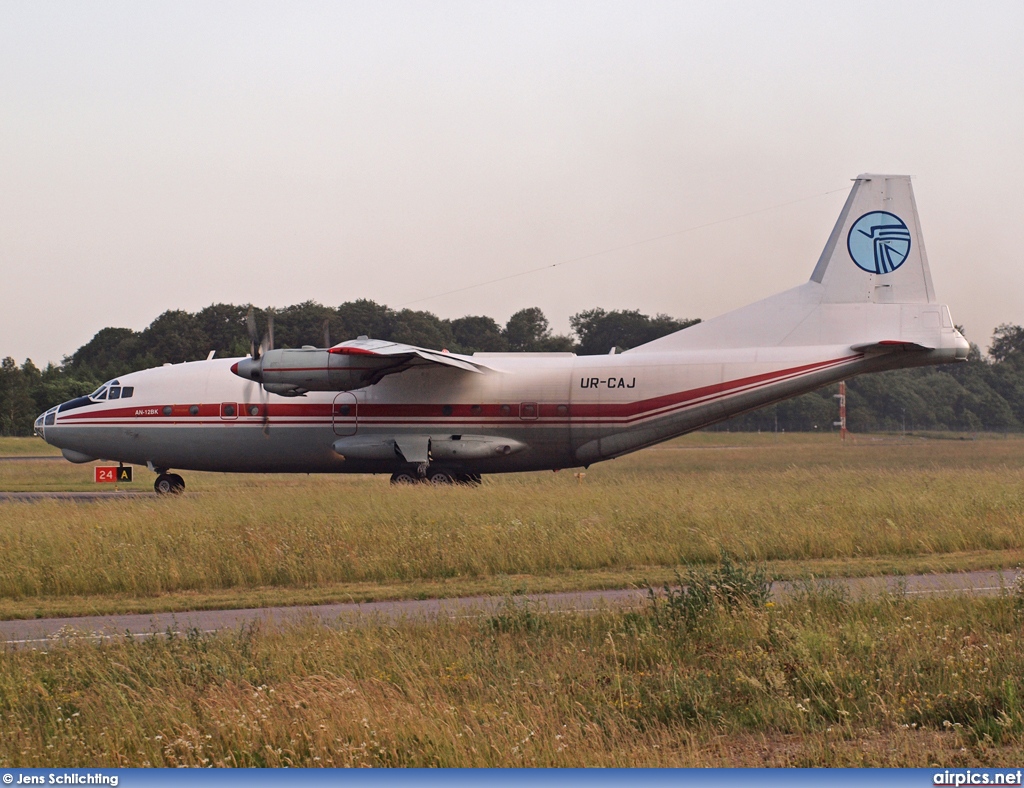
270,329
250,324
327,332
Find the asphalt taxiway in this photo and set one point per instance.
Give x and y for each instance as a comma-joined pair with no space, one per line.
46,632
74,496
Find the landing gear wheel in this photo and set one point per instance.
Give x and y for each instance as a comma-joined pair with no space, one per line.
404,477
440,478
169,484
469,479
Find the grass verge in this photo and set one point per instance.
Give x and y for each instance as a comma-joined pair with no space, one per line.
505,585
801,504
816,681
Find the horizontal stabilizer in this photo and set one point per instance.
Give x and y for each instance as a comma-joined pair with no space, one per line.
890,346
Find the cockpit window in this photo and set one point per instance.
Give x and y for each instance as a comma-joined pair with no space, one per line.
112,389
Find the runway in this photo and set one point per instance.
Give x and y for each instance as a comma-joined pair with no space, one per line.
46,632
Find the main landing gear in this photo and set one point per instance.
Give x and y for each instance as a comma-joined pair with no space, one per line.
438,477
169,484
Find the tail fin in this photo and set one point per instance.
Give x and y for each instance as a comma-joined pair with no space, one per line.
871,284
875,252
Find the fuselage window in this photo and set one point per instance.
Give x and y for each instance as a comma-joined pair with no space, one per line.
101,394
127,391
115,392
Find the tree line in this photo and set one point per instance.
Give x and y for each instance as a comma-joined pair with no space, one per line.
986,393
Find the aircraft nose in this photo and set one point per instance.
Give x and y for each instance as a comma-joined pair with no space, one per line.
45,420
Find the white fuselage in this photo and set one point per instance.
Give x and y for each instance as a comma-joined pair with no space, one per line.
868,306
563,410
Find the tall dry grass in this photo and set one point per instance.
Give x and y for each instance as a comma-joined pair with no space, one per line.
815,681
792,500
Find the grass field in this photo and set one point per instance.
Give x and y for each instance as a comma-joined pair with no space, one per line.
15,447
815,680
803,504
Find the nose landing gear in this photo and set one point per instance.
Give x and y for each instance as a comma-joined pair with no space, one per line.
169,484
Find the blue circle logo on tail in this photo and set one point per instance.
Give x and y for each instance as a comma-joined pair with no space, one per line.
879,242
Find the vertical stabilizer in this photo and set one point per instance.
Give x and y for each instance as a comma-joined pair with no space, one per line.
876,253
871,283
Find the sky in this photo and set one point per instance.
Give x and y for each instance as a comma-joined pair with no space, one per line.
682,158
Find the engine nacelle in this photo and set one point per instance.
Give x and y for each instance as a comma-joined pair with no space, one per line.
294,371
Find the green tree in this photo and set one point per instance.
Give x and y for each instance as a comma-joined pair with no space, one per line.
478,333
1007,339
528,330
303,324
223,326
174,337
424,329
363,317
111,352
18,409
55,385
600,331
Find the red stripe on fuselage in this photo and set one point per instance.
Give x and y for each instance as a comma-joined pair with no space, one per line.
380,413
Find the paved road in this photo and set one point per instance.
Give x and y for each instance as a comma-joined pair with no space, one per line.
72,496
46,631
20,457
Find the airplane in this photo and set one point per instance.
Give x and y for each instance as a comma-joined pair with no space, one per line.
372,406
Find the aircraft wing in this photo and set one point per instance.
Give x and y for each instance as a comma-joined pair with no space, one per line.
387,358
890,346
355,364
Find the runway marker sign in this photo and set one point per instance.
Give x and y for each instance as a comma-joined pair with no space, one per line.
111,474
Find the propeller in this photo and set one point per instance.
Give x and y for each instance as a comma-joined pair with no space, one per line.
250,324
265,345
327,332
257,348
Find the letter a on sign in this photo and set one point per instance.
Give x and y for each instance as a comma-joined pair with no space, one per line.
124,474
